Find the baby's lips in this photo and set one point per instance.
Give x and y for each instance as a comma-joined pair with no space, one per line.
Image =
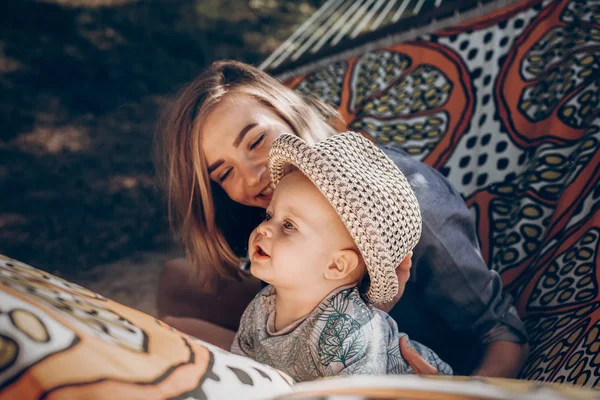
258,248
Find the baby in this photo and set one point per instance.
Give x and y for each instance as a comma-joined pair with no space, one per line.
341,219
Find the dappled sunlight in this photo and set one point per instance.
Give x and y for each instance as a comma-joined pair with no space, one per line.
102,38
54,140
89,3
124,182
83,83
7,64
10,219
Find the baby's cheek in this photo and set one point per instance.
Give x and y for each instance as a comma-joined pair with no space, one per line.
252,236
284,255
251,239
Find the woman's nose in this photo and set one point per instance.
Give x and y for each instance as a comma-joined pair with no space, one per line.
255,176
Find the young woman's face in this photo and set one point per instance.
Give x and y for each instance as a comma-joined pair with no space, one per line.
236,138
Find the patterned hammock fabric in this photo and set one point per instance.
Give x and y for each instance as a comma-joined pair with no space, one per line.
506,107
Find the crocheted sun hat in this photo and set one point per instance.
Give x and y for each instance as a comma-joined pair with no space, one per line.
370,194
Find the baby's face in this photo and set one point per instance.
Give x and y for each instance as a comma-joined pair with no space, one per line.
295,244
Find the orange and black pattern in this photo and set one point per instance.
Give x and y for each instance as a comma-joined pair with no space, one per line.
61,341
506,107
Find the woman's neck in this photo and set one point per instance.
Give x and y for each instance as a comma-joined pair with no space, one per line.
292,305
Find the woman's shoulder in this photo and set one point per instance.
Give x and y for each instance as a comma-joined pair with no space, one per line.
418,173
172,285
175,273
435,193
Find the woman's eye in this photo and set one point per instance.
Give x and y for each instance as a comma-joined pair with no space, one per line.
288,225
225,175
257,142
268,217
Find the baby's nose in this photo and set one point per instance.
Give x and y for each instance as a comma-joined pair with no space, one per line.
264,230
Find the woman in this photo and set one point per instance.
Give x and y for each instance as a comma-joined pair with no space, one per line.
214,147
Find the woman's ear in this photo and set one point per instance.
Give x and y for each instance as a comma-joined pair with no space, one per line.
345,264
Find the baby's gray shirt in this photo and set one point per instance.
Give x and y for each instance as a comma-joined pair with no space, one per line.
343,335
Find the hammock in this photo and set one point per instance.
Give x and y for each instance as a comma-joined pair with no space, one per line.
506,106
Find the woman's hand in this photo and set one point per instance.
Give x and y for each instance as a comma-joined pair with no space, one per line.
403,273
414,359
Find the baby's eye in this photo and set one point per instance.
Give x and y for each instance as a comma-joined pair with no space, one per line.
268,216
288,225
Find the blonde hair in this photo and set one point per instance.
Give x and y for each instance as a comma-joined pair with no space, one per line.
182,167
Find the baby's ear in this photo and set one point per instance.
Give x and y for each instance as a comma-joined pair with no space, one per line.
345,263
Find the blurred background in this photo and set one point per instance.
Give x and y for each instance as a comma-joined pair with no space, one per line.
82,84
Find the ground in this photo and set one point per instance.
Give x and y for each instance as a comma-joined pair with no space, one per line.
81,90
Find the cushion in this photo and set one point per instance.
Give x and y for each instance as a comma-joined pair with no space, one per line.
59,341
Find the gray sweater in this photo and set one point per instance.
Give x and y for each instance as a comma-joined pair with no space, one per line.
342,336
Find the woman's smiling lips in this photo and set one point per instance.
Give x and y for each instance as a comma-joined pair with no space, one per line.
267,193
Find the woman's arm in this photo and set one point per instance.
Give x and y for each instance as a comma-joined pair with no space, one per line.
179,295
461,290
203,330
456,284
503,359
